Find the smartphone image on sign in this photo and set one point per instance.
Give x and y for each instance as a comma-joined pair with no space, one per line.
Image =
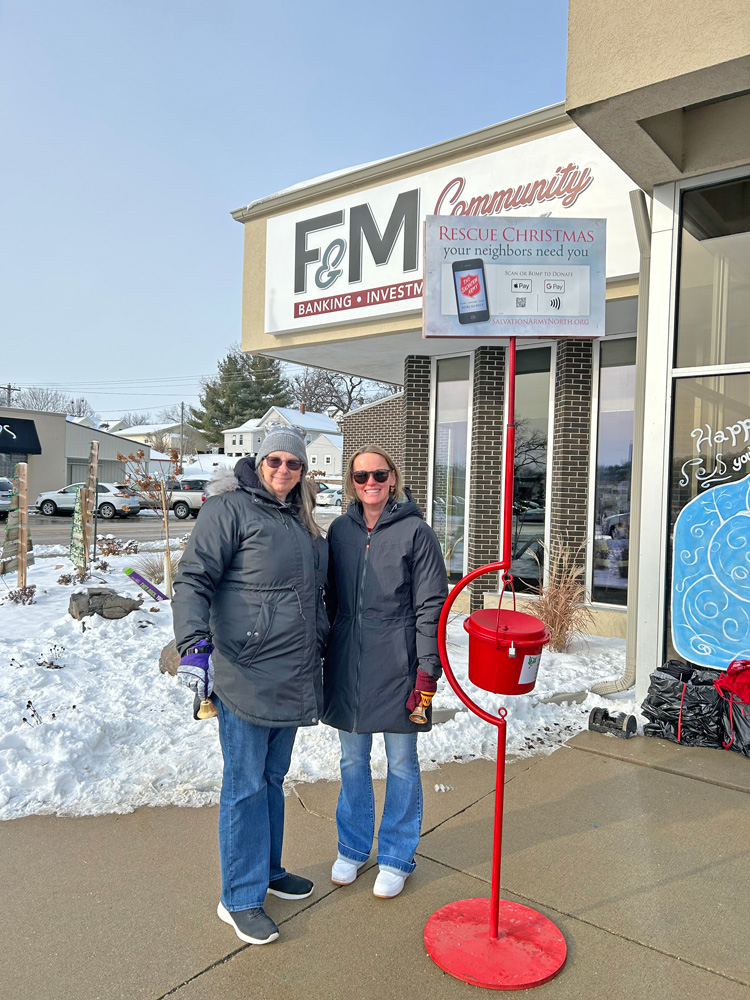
471,291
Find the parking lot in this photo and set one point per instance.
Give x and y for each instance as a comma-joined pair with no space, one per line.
146,527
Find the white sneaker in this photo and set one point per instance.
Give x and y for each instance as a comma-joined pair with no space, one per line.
387,884
344,871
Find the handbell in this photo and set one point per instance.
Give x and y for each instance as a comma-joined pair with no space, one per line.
419,715
204,708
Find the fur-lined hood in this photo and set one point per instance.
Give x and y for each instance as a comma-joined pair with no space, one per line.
224,481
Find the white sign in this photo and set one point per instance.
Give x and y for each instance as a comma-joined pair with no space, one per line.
520,277
529,669
360,256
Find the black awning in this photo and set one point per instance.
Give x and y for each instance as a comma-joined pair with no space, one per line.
18,437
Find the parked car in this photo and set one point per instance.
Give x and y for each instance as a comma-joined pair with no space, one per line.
529,511
617,526
185,496
330,498
113,500
6,488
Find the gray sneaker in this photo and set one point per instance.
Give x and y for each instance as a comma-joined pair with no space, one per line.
253,926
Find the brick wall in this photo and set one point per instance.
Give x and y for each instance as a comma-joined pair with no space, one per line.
488,431
571,444
377,423
417,370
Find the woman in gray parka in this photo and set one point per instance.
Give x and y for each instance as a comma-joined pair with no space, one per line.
250,624
387,585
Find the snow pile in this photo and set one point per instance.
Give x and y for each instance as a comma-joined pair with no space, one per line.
105,731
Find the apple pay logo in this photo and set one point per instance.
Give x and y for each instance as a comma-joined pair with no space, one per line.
520,285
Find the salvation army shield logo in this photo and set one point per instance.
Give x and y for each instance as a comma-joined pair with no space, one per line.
470,285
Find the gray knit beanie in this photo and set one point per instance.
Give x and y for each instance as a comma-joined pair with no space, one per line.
283,437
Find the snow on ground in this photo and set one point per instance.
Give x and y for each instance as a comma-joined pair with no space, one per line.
106,732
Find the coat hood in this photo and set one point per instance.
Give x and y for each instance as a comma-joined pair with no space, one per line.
394,510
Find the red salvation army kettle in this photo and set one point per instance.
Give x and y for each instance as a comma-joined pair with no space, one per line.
505,648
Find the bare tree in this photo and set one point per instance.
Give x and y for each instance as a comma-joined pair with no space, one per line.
170,414
162,441
136,419
530,450
53,401
319,389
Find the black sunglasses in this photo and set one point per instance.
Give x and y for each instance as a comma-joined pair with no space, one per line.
274,462
379,475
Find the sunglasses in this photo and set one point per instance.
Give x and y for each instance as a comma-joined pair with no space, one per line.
274,462
379,475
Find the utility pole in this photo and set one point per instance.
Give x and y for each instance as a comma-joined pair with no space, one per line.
8,390
182,434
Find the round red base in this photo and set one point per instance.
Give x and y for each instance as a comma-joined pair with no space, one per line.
529,951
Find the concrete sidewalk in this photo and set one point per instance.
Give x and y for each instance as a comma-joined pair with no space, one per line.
638,850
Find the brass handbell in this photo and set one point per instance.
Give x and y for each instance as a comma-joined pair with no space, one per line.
204,708
419,715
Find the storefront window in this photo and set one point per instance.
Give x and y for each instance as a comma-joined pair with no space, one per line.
449,470
614,454
710,445
530,467
714,295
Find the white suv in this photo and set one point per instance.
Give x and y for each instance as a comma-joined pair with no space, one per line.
114,500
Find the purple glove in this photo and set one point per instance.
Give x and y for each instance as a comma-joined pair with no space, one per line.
196,671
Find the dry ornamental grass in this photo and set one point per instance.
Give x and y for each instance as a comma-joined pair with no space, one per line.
561,602
152,565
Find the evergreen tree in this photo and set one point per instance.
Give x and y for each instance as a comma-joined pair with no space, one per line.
245,387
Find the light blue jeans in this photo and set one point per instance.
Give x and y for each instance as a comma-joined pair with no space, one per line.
251,809
401,824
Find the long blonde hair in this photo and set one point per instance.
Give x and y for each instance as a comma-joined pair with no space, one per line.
373,449
301,497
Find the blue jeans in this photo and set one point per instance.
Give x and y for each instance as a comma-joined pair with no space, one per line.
251,809
401,823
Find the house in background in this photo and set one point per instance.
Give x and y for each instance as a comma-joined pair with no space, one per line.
194,440
325,454
246,439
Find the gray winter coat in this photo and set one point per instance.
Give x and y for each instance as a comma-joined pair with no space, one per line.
251,580
385,593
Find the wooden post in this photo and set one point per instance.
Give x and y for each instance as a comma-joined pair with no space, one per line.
92,497
79,543
167,554
22,488
17,526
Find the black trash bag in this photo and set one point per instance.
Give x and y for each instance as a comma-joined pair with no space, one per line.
735,716
683,706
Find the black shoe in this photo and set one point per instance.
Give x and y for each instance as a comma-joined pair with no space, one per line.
291,887
253,926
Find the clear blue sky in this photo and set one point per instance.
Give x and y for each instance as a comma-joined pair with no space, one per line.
131,128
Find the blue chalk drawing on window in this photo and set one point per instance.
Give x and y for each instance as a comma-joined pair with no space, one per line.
711,577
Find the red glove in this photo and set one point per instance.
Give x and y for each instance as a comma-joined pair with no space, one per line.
425,684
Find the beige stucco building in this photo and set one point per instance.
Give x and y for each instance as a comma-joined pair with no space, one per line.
653,138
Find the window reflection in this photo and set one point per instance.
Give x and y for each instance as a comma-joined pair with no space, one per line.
449,471
714,294
614,454
530,466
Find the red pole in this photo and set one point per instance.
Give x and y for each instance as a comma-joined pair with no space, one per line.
497,844
510,451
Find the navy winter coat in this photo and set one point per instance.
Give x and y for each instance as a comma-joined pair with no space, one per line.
385,592
251,580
